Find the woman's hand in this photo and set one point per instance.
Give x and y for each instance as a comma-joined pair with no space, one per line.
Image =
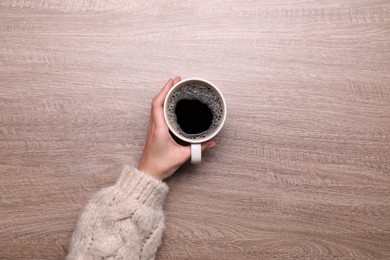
162,156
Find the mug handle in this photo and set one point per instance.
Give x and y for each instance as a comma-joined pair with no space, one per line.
196,153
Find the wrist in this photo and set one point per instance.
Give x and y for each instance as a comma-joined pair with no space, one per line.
150,172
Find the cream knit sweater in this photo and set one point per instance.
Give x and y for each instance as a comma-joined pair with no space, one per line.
124,221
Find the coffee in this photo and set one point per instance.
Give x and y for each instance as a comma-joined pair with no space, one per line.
193,116
195,110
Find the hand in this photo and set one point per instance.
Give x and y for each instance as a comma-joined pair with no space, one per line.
162,156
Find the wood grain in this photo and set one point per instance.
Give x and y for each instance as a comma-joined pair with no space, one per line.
302,170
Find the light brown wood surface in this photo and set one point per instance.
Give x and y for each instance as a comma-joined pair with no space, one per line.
302,170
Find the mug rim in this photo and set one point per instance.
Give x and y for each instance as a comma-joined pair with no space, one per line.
217,130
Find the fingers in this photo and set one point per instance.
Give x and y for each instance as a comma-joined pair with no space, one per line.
209,145
164,91
176,80
158,102
159,99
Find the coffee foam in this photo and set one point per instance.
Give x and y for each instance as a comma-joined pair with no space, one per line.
198,91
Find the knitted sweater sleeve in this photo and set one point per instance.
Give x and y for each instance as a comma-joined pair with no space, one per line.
124,221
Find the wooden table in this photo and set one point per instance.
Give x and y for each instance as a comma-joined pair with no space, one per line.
302,170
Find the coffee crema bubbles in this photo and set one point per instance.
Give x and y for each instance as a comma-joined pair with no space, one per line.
195,91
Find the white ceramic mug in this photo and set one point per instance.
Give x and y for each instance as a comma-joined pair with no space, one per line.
196,152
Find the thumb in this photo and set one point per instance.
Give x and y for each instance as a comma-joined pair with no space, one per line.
209,145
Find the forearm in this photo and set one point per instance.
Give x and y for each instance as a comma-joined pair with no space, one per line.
124,221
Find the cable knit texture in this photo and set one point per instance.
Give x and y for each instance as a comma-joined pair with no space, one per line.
124,221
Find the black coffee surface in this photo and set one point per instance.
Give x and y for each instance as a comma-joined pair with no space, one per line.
193,116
